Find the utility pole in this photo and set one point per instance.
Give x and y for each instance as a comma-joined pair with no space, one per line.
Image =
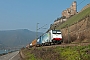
38,29
68,33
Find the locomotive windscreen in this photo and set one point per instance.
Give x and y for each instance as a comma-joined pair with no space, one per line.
56,31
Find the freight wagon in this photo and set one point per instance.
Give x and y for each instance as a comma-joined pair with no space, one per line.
33,43
49,38
45,39
39,42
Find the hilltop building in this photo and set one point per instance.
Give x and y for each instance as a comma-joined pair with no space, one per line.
65,15
70,11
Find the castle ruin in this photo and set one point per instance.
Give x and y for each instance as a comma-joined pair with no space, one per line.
70,11
65,15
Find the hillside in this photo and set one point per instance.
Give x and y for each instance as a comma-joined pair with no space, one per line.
77,28
57,53
76,18
16,38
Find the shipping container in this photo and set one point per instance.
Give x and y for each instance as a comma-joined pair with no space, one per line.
27,46
34,42
39,42
45,39
30,44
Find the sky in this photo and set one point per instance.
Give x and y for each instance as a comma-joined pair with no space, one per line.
25,14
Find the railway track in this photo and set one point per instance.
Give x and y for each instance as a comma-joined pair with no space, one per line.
65,45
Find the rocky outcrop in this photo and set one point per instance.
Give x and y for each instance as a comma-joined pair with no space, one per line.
79,31
70,11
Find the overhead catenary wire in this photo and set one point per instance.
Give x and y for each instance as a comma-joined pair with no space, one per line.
42,27
80,2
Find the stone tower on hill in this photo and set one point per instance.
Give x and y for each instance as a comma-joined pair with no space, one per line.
70,11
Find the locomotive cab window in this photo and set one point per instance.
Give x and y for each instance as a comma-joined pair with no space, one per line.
56,32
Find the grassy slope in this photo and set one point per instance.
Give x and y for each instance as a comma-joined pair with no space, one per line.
74,53
75,18
58,53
